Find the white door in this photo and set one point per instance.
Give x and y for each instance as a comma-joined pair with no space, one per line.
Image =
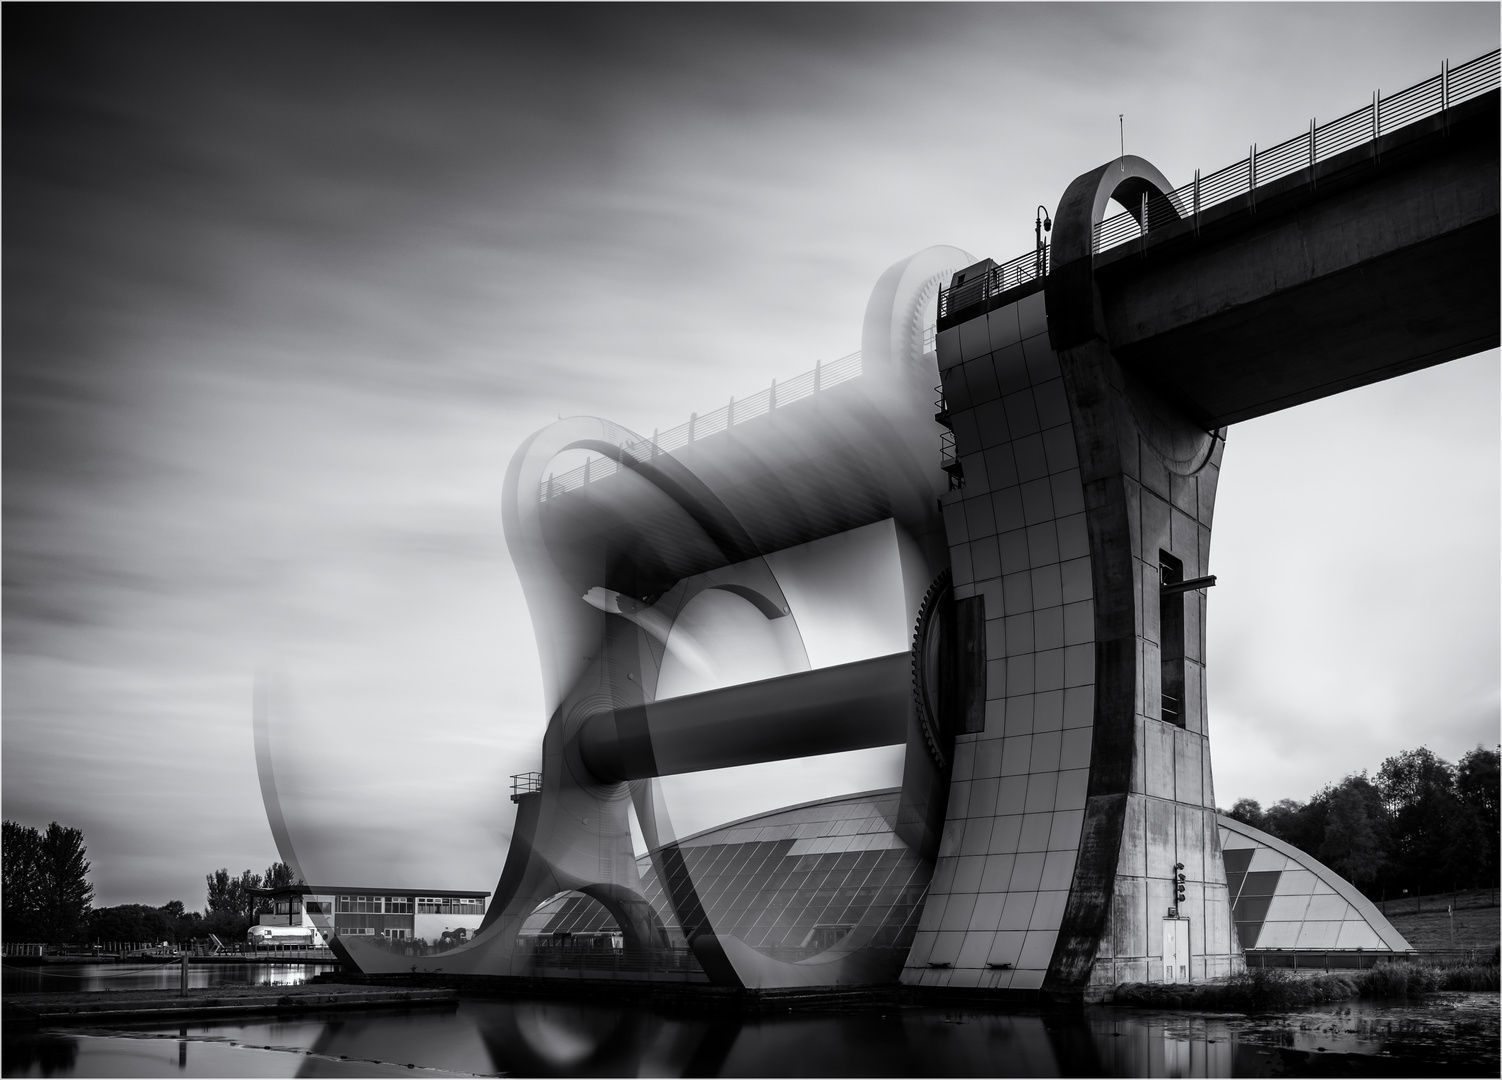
1176,950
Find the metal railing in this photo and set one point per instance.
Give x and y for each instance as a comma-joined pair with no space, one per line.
1258,169
1321,959
1321,142
997,280
738,411
527,783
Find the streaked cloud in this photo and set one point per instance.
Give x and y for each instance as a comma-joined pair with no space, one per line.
285,288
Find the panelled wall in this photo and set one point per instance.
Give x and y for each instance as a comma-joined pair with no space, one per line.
1163,472
1018,539
1070,810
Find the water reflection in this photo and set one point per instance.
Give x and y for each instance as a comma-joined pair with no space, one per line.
39,1055
91,978
1454,1036
567,1039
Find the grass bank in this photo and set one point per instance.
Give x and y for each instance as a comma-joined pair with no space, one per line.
1477,928
1270,989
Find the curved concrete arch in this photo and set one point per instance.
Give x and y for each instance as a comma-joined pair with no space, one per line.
759,600
1083,205
269,695
568,632
1073,308
693,496
757,625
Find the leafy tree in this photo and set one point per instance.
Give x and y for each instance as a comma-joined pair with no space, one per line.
1476,788
1421,825
138,922
245,893
277,875
1418,788
131,922
63,890
47,890
21,851
1354,844
1288,820
190,925
1248,812
221,887
1476,782
232,902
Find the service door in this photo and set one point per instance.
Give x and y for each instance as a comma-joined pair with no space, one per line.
1176,950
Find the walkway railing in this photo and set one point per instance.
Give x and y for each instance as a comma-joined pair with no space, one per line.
1321,142
1258,169
999,279
777,396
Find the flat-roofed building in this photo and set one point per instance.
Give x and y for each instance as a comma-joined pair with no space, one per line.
426,917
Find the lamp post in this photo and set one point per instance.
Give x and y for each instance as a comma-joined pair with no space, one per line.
1042,224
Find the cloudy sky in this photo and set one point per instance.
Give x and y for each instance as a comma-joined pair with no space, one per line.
285,288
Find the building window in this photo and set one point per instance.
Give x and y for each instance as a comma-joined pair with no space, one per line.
398,905
1171,639
450,905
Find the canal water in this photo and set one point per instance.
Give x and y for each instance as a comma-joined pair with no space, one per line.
1453,1035
79,978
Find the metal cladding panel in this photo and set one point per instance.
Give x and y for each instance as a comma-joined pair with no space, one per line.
1016,816
1306,906
793,899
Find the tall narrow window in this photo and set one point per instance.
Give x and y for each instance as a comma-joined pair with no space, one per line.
1171,638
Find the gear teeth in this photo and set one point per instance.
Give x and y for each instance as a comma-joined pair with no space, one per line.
926,719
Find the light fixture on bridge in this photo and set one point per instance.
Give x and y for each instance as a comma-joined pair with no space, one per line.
1042,224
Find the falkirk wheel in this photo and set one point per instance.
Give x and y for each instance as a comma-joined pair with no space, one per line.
1044,528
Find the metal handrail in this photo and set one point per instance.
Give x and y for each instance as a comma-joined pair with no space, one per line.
1259,168
997,280
1321,142
738,411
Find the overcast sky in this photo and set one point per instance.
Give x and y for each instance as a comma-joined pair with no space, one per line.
286,287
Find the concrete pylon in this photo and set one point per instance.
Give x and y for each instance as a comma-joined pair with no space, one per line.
1081,828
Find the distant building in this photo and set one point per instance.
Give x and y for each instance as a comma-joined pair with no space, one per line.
311,913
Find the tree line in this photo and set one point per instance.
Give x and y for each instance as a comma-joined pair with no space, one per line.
45,882
47,896
232,908
1420,825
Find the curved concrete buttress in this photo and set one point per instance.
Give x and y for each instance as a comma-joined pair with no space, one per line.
1073,307
1149,478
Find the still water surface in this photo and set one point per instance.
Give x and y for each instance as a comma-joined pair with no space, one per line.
1456,1036
79,978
